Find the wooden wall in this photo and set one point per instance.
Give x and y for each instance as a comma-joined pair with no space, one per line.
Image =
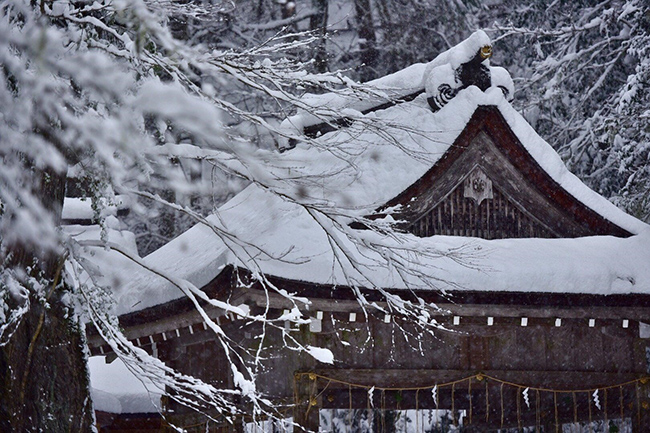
398,354
598,343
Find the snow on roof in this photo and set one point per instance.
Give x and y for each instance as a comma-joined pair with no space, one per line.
391,87
112,231
380,170
355,99
81,208
115,389
380,162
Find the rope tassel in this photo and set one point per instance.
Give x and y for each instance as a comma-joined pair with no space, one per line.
469,392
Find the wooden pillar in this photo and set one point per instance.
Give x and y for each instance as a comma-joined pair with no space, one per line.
641,424
307,405
641,417
238,425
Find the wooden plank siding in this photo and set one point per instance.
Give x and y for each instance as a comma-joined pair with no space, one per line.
496,218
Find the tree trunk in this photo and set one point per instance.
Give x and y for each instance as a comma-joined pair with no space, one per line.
384,421
368,40
318,25
44,383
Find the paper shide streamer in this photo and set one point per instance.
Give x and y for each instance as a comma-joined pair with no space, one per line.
526,400
596,399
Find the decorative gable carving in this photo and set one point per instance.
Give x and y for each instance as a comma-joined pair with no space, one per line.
487,185
493,218
478,186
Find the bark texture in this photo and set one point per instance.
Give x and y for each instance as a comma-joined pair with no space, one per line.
44,384
318,25
368,46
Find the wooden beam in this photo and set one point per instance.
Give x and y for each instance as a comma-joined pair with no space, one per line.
526,306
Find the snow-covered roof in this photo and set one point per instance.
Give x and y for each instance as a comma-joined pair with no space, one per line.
117,390
385,90
379,163
76,208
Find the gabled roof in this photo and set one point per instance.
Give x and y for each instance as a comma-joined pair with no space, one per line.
379,160
294,245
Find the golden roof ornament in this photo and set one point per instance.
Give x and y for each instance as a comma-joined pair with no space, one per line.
486,52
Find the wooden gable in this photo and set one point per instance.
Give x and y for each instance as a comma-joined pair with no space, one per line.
487,185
